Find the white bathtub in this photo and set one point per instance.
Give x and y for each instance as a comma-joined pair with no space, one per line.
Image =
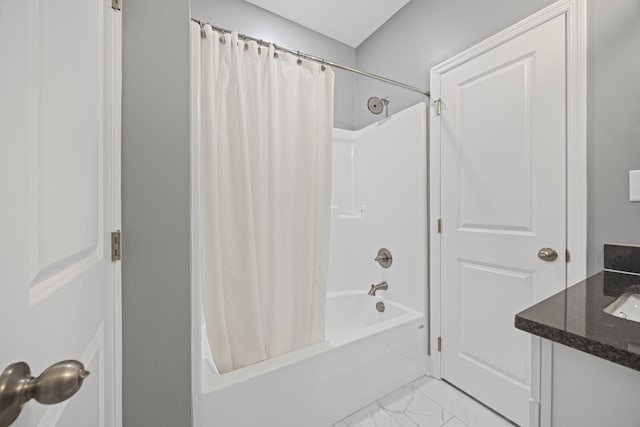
365,356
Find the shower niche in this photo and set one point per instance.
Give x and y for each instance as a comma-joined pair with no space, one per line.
345,203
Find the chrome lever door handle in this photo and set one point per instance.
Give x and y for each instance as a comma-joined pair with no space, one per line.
547,254
56,384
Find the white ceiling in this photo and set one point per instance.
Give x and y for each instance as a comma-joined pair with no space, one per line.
348,21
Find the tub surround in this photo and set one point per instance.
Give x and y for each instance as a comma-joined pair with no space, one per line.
575,316
380,204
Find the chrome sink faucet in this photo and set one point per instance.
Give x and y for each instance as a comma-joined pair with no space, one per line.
382,286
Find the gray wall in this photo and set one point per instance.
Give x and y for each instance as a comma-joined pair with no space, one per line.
155,214
614,123
426,32
423,34
246,18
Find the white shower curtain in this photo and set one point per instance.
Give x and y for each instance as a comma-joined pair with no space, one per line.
266,139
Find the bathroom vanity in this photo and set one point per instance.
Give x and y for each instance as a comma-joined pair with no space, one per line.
595,368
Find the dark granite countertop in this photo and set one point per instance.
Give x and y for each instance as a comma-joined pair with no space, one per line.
574,317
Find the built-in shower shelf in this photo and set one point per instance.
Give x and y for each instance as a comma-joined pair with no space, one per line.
349,213
350,216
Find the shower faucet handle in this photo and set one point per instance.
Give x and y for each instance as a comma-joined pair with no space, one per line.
384,258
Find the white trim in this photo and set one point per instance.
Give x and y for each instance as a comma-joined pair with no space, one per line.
196,182
576,12
116,206
576,24
534,395
546,381
434,235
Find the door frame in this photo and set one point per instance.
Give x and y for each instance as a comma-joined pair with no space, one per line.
576,40
116,205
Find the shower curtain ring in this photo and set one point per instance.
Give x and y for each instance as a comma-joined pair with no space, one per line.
322,66
299,60
260,47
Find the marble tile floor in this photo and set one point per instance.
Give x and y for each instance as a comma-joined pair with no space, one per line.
426,402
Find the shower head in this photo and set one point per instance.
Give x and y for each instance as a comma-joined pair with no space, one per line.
377,105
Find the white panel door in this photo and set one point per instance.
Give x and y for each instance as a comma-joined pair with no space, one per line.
59,182
503,197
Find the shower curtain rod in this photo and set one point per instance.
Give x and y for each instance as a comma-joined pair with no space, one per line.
319,60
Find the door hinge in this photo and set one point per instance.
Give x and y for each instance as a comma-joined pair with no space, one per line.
439,343
116,254
438,104
439,226
568,256
116,4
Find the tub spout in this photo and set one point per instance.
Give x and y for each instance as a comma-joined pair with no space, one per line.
380,286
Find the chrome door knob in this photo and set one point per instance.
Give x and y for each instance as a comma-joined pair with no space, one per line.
56,384
547,254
